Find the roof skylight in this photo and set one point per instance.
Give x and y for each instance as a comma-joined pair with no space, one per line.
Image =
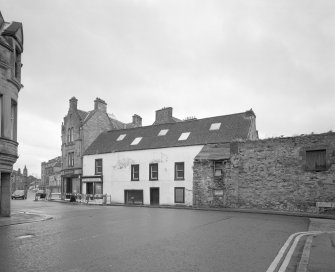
163,132
184,136
136,141
121,137
215,126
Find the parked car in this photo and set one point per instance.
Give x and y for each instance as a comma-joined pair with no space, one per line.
19,194
41,194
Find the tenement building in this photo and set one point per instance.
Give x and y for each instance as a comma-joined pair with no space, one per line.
153,164
51,174
11,48
79,129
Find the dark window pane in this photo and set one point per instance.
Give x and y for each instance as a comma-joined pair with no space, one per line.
316,160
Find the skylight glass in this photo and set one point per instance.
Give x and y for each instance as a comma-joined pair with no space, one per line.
136,141
163,132
184,136
215,126
121,137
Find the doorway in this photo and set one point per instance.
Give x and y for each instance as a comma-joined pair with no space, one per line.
154,196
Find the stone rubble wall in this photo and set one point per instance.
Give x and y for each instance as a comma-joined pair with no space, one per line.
268,174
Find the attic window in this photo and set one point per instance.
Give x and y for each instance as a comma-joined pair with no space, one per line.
121,137
136,141
184,136
215,126
163,132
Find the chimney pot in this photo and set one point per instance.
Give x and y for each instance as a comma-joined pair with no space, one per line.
137,120
100,104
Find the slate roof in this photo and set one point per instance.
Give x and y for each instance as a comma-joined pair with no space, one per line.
214,152
82,114
234,126
12,28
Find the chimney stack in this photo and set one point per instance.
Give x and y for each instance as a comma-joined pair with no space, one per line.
100,104
73,104
163,115
137,120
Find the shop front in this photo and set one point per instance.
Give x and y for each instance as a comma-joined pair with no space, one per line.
92,185
70,183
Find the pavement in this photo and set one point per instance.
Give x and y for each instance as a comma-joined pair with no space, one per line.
310,251
23,217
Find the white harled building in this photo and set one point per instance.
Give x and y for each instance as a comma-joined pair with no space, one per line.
153,165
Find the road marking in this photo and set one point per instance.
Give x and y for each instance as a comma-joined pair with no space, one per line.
284,248
25,236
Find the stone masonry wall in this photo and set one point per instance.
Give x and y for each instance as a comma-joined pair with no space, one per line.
269,174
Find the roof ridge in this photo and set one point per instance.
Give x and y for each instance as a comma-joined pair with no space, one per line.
177,123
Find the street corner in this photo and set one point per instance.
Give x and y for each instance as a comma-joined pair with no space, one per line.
23,217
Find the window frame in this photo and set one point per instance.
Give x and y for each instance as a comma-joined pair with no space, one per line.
175,200
218,165
70,159
315,167
96,172
13,120
151,165
176,177
133,172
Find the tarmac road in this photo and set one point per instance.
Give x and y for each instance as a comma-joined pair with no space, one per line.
96,238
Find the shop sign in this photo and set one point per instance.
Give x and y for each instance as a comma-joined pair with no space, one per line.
91,179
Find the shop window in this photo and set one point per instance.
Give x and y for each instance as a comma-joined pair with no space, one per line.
179,171
316,160
70,159
98,188
135,172
153,171
98,166
179,195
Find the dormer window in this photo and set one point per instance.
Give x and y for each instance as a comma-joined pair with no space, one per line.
136,141
163,132
121,137
184,136
215,126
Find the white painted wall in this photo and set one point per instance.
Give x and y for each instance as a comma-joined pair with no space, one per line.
117,172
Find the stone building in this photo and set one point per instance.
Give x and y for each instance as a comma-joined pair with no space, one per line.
11,48
51,174
287,174
19,181
79,129
153,165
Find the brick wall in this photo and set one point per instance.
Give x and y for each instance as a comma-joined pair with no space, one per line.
269,174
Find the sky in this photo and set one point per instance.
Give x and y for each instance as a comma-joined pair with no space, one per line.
202,58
